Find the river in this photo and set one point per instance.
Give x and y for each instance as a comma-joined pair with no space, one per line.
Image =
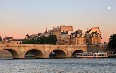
70,65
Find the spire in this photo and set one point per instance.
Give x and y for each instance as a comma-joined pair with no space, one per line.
46,30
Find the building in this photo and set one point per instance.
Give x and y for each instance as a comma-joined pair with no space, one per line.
93,36
66,36
78,38
11,40
64,28
63,33
7,39
16,41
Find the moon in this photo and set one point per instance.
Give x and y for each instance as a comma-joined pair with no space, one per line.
109,8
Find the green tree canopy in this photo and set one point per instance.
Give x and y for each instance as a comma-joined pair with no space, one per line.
112,42
51,39
27,41
43,40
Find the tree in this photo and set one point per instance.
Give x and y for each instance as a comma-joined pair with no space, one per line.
43,40
51,39
27,36
26,41
112,42
0,39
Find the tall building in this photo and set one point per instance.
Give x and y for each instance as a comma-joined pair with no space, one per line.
93,36
78,38
63,33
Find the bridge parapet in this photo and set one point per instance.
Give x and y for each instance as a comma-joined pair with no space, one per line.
45,45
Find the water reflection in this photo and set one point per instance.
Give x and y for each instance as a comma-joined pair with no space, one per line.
106,65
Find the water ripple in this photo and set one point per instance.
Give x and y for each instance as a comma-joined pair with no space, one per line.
107,65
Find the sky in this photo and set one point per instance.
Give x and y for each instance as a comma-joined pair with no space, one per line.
21,17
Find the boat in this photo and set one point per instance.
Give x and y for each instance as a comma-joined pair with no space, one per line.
90,55
101,55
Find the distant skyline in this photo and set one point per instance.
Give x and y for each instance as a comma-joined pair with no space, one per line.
21,17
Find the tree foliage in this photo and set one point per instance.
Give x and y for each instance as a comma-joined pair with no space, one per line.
51,39
112,42
26,41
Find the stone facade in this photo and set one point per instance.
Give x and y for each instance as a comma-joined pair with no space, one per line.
64,39
66,28
97,48
93,36
78,38
63,34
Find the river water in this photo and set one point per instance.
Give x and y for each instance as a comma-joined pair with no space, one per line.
70,65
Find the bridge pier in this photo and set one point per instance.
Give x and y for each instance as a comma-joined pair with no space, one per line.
46,54
69,54
21,55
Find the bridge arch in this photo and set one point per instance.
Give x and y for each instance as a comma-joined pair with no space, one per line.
34,53
57,54
14,53
76,51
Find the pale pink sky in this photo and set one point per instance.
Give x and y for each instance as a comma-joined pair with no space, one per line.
18,18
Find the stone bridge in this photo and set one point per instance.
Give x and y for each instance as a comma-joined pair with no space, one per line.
42,50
